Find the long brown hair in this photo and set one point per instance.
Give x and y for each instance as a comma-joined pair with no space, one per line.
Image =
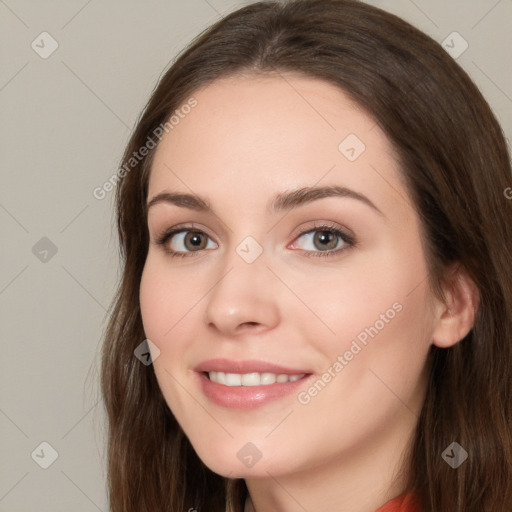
455,162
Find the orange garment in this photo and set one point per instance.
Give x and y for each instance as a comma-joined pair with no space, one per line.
403,503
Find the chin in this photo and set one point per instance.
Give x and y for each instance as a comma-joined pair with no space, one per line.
245,461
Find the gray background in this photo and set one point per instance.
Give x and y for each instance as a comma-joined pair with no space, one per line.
64,123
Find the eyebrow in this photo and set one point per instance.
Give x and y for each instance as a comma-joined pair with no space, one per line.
283,201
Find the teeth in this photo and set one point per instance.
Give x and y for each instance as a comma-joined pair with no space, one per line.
268,378
251,379
233,379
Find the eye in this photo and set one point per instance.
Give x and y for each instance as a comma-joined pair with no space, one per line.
324,241
321,241
182,242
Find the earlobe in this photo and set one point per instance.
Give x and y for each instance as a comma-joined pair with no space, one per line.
456,317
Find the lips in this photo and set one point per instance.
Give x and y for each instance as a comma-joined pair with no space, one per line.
248,384
247,366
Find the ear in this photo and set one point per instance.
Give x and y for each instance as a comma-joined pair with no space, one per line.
456,316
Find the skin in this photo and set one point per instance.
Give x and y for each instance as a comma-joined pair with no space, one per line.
248,139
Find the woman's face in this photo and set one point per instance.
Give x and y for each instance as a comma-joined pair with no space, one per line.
299,276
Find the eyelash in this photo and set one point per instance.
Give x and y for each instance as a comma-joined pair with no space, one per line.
350,241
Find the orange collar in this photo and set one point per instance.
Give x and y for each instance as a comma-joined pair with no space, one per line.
402,503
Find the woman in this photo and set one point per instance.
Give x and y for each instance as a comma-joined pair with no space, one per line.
315,237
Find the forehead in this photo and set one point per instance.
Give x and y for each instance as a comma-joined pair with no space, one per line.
262,133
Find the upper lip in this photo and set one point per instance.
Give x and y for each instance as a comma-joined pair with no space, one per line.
246,366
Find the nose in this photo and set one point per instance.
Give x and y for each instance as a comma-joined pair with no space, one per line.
243,300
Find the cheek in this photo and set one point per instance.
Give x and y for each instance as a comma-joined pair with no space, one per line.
164,304
161,312
166,299
378,318
383,326
371,291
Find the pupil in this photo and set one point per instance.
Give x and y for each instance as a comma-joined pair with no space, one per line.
325,238
195,239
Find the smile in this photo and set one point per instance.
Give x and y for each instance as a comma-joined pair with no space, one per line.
248,384
251,379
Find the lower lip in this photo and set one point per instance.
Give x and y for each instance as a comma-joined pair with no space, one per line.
248,397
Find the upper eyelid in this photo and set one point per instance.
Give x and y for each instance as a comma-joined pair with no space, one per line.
300,230
179,228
